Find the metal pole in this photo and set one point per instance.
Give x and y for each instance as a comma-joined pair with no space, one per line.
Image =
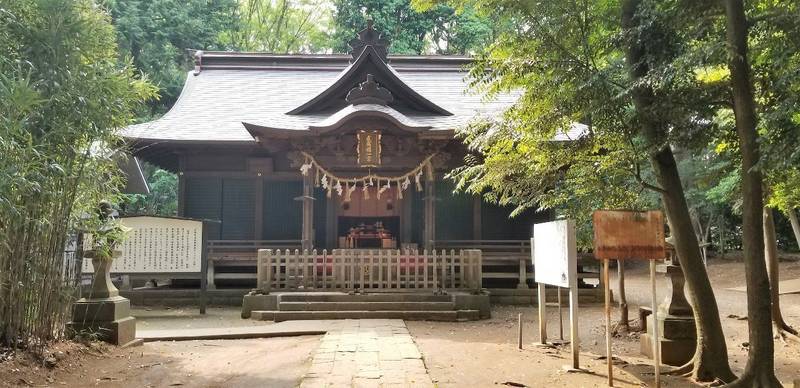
656,344
608,323
519,321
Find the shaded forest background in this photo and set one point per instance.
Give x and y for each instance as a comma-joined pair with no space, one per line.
157,36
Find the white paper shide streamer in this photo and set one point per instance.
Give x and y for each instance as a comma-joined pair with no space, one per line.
346,186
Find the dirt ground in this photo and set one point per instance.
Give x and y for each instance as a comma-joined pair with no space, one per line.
272,362
484,353
469,354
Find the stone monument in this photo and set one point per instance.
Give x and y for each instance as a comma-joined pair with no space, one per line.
676,323
104,313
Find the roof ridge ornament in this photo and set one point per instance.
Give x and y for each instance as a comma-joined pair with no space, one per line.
369,92
369,37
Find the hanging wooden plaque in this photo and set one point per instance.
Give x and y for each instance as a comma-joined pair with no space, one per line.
624,234
369,148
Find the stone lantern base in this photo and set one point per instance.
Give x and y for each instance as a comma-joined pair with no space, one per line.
676,337
108,318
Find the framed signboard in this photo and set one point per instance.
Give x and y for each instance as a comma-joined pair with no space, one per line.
158,245
555,253
369,148
625,235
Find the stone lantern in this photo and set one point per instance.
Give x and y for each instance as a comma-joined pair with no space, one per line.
104,313
676,324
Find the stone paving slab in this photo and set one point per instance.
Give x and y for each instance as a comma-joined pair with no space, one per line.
367,353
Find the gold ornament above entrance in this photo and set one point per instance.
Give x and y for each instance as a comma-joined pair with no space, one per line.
369,148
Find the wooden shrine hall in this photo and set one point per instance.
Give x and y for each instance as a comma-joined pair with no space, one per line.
332,152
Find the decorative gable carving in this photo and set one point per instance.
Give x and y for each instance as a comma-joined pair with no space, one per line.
369,37
369,92
371,61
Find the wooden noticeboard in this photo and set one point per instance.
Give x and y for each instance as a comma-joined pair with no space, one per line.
625,235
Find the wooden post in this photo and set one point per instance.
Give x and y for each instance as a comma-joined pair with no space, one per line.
573,324
608,323
258,228
656,343
429,227
181,186
560,317
523,273
307,232
623,301
204,268
519,337
542,314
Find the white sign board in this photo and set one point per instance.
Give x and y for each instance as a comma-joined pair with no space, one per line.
555,253
158,245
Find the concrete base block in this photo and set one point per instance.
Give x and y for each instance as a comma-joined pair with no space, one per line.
109,319
673,352
252,303
507,296
480,302
676,335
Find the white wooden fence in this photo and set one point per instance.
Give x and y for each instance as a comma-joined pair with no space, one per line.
369,269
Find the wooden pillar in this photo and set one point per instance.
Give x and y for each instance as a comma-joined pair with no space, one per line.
476,217
429,229
181,186
258,228
307,233
406,223
331,222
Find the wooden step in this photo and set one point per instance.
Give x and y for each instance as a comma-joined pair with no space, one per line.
387,297
365,306
449,316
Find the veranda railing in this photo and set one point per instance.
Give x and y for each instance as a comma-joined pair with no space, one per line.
368,269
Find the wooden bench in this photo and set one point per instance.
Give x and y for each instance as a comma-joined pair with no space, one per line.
239,253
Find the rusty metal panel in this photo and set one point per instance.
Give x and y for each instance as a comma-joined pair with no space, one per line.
624,235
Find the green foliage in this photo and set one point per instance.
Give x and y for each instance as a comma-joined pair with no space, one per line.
438,28
63,96
163,196
157,34
282,26
106,237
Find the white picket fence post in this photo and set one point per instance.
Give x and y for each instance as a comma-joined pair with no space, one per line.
379,269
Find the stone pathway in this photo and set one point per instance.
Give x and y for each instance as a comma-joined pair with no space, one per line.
367,353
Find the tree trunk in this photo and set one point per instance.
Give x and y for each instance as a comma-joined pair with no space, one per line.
722,235
760,368
792,214
711,355
622,326
771,257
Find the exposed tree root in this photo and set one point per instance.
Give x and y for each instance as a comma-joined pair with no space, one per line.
757,379
684,370
692,371
785,335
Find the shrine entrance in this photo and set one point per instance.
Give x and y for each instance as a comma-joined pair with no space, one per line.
369,222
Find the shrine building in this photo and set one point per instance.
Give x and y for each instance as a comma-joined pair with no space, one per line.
330,151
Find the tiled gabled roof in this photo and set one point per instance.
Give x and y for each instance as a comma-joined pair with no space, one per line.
229,89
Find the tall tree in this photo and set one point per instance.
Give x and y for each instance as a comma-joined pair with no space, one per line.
434,28
760,368
580,61
157,34
283,26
